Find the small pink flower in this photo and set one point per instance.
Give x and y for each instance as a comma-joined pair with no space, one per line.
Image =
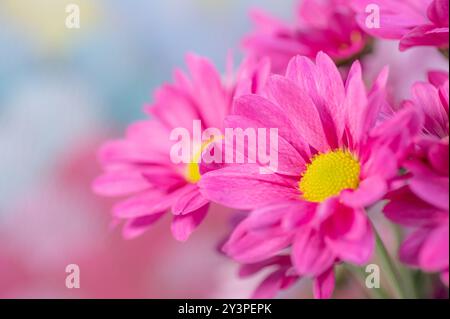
423,203
139,166
413,22
334,159
326,25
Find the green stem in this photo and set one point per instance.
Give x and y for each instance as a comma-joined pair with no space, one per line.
407,274
359,274
444,52
389,268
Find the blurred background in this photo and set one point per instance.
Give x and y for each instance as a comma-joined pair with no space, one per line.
64,91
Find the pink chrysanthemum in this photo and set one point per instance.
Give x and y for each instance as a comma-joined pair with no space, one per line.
334,159
423,203
413,22
139,166
321,25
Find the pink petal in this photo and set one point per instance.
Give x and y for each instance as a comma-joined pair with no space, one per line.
369,191
116,183
411,247
397,133
407,209
150,202
342,222
247,270
300,110
270,115
310,254
355,102
323,286
297,214
259,236
381,162
137,226
434,255
438,155
426,96
189,201
438,12
357,252
324,85
437,78
270,286
183,225
397,17
290,162
207,93
244,187
430,187
425,35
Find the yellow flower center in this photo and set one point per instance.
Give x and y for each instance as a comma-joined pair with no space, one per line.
328,174
192,173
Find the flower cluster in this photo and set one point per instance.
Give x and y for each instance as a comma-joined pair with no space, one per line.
342,147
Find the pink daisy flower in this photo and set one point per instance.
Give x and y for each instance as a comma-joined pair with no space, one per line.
139,167
413,22
334,159
423,203
321,25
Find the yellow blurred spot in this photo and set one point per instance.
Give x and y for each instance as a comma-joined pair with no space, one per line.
44,20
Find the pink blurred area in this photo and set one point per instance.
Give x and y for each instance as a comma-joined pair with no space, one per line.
62,222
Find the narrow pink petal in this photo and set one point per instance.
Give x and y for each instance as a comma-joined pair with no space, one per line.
434,255
300,110
426,96
438,155
340,221
270,286
310,254
369,191
247,270
429,186
324,85
355,102
428,35
411,247
381,161
183,225
244,187
407,209
438,12
331,91
290,162
398,132
437,78
151,202
397,17
137,226
189,201
269,115
353,251
323,286
259,236
207,93
298,213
